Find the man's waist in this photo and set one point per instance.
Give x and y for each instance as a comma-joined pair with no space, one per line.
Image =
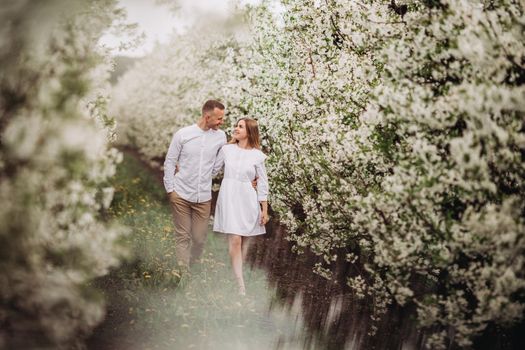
190,189
194,197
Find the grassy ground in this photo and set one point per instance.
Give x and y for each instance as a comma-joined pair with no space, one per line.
150,307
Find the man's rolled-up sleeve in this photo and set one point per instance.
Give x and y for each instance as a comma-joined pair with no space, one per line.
170,163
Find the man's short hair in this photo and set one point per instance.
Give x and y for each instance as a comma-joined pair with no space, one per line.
210,105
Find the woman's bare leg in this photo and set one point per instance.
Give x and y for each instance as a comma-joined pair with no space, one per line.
246,241
235,249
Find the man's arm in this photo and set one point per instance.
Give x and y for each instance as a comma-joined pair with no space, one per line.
170,163
219,160
219,163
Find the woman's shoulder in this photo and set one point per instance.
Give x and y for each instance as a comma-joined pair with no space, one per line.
259,155
228,149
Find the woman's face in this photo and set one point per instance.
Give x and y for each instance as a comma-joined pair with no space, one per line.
240,133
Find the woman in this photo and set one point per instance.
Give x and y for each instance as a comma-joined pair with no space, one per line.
241,210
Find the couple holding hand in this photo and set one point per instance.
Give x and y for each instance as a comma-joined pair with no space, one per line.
196,154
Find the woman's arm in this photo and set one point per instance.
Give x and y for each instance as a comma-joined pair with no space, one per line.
264,212
262,191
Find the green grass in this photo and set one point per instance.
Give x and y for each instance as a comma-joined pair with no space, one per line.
140,204
150,307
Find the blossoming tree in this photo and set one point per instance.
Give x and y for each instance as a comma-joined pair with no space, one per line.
403,129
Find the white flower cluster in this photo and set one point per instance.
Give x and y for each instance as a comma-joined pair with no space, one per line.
54,164
396,134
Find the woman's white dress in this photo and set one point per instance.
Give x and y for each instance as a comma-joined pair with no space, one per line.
238,210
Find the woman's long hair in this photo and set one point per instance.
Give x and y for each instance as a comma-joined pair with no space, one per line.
252,131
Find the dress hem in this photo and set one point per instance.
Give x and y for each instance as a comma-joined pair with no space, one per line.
241,234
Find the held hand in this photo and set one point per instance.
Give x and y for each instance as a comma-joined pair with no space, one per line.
254,183
264,218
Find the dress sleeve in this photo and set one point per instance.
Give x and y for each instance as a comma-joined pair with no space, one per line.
262,180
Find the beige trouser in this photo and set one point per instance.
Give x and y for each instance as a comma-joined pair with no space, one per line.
191,225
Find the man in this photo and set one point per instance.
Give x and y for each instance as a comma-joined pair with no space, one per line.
193,151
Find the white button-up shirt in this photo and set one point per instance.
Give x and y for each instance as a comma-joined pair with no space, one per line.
195,151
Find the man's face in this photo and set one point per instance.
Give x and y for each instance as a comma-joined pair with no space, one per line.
215,118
